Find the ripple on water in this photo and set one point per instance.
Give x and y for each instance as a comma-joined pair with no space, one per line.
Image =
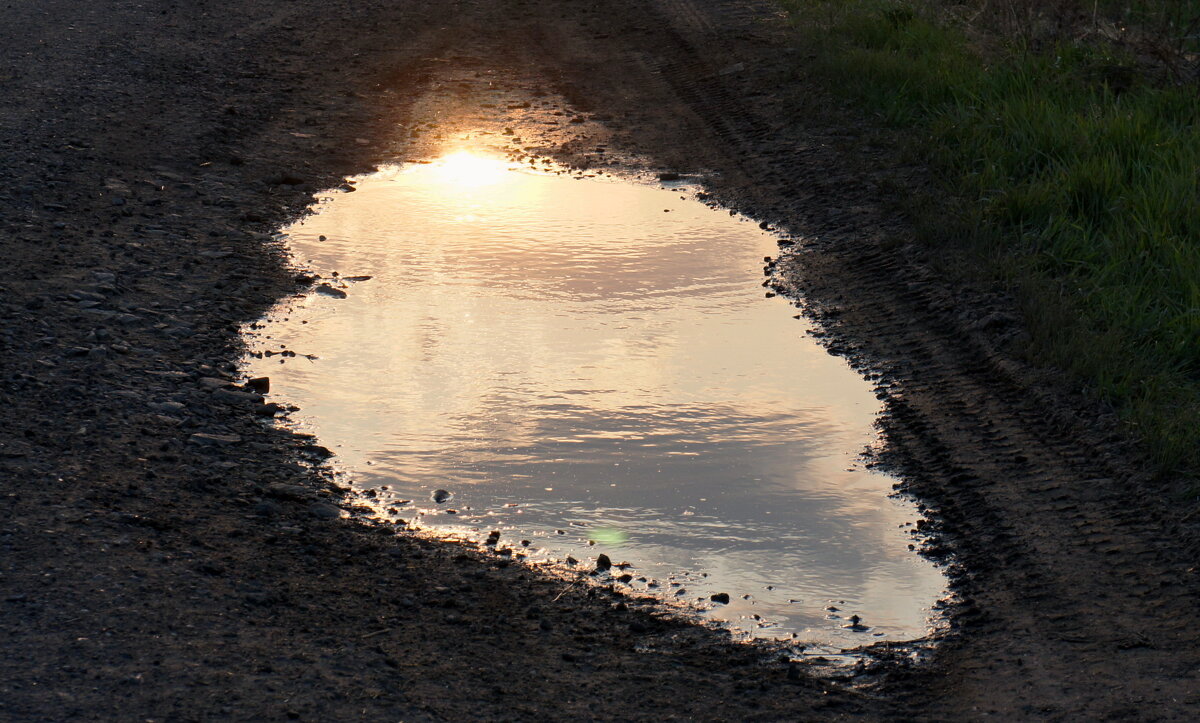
591,365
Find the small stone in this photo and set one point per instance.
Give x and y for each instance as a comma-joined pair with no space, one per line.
268,410
247,399
603,562
324,512
856,625
317,450
721,597
286,179
262,385
440,496
204,438
331,291
285,491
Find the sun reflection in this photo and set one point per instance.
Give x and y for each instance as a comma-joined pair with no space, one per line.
468,170
529,339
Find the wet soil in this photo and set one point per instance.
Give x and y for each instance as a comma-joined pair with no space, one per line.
166,555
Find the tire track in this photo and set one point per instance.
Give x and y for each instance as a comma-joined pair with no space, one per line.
1077,598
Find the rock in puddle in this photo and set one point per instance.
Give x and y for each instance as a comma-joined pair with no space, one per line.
262,385
331,291
269,410
856,625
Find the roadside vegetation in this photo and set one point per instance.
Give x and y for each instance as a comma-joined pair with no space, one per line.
1068,135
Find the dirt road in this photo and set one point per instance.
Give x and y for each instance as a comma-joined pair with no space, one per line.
165,555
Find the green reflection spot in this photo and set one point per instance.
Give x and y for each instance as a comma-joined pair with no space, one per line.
609,536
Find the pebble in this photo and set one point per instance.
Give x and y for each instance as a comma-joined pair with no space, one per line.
440,496
721,597
603,562
327,290
289,492
262,385
324,512
207,439
856,625
268,410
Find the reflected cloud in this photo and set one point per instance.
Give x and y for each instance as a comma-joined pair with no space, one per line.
591,365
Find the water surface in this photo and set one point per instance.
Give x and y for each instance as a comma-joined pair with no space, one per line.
591,366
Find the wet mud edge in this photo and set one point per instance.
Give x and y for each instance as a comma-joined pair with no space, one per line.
142,558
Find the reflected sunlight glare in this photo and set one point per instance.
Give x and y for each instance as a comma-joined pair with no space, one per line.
590,366
466,169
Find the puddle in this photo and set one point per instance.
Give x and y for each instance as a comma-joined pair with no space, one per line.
590,365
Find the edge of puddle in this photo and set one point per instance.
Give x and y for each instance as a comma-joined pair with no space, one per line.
862,666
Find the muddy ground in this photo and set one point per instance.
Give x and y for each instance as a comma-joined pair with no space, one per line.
165,555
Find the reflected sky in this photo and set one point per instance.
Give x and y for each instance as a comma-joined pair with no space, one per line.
593,360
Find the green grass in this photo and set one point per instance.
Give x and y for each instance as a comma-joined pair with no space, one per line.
1077,178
